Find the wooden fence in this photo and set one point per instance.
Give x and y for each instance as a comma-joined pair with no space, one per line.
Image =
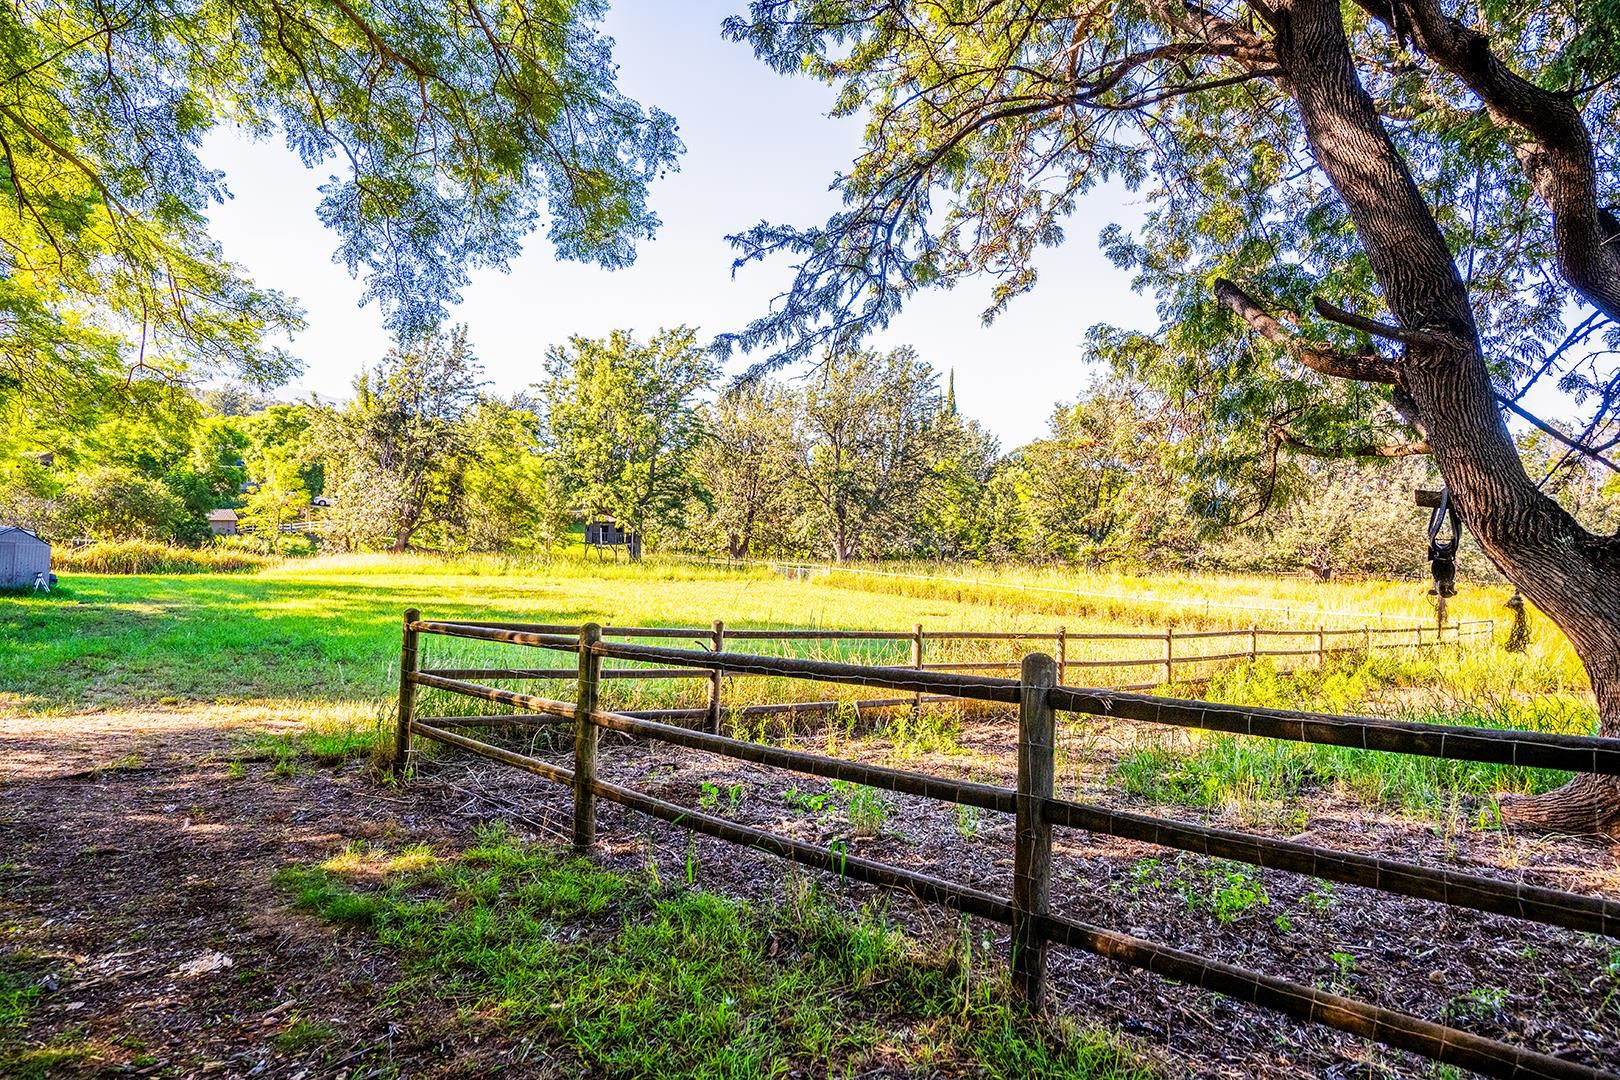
1170,660
1038,696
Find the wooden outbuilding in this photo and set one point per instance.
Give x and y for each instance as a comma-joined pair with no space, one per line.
611,534
24,558
222,522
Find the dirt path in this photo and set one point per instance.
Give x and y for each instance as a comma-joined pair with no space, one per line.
136,888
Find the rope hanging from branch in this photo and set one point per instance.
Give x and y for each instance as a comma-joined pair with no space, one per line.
1519,634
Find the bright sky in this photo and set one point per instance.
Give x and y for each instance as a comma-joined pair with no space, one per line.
759,146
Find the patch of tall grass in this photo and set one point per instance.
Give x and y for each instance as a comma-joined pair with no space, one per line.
622,975
150,557
1233,772
1180,600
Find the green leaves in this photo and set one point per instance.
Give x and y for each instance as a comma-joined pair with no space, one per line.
621,424
453,130
987,123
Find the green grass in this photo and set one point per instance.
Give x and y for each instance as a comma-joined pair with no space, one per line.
19,993
633,979
19,996
327,629
1223,772
1226,891
329,742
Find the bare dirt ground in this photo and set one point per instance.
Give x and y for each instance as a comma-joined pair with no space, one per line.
136,867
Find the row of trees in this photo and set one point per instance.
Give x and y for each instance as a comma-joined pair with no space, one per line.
865,457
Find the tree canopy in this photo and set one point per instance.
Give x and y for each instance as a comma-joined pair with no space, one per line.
452,131
1434,182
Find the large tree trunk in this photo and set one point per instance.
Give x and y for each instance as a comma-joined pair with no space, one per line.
1443,386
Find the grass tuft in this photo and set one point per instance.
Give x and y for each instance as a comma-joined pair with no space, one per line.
1235,772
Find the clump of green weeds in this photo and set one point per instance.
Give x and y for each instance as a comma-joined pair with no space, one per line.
712,797
1481,1005
1219,771
969,820
1225,890
864,808
625,977
313,744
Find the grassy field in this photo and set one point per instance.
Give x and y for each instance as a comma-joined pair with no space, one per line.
323,635
327,629
629,975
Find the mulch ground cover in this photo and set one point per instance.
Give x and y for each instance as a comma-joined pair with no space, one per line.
139,917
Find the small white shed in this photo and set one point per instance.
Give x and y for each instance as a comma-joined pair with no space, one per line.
23,557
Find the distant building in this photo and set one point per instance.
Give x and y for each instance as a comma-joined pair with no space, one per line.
222,522
611,534
24,558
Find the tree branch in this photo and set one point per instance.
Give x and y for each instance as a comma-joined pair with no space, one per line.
1558,158
1541,425
1283,437
1319,358
1333,313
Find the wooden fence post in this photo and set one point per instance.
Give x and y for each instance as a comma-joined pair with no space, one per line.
717,678
1254,643
1321,651
1169,655
590,677
408,665
917,662
1366,632
1032,859
1063,656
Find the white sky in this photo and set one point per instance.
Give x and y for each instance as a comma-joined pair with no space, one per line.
759,146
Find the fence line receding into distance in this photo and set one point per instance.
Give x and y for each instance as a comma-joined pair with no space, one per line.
1038,696
1168,662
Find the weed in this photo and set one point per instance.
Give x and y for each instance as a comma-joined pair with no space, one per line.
710,796
18,995
321,743
969,819
1225,890
865,808
1481,1005
1321,897
807,802
305,1035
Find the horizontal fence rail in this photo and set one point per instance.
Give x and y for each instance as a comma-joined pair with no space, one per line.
1032,804
1167,663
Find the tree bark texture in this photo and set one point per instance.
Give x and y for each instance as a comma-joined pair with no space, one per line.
1444,385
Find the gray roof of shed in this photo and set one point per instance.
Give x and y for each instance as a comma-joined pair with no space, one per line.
5,530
